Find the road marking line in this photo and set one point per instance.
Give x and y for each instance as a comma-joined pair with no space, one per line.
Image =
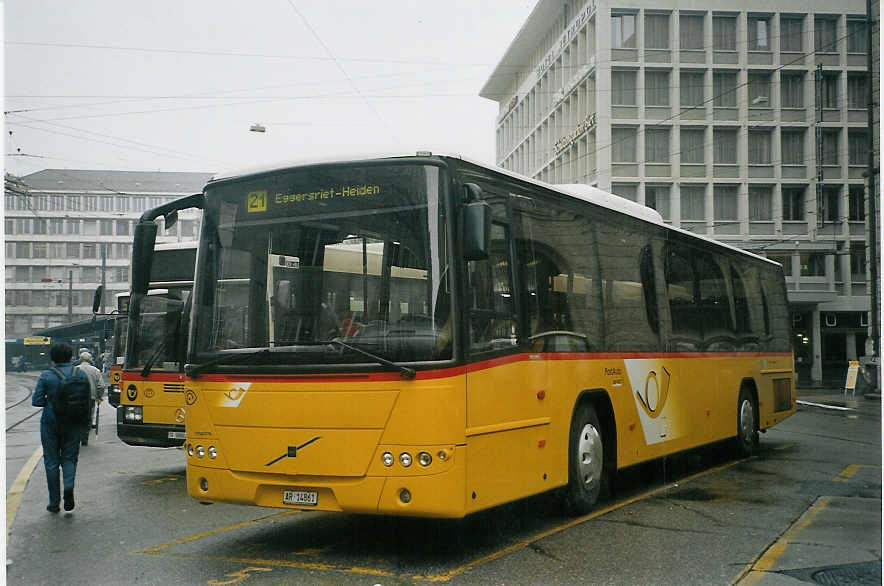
13,497
824,406
158,549
757,569
847,473
443,577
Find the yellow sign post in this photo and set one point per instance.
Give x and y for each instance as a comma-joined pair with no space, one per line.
852,372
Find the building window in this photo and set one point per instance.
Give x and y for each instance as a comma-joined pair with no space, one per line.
91,203
759,90
691,31
623,145
72,203
656,31
625,190
22,274
724,33
857,91
830,91
656,88
657,145
793,204
90,250
829,204
106,204
813,264
724,89
857,147
56,226
22,250
56,203
41,226
724,143
122,203
72,250
791,40
792,147
41,250
760,203
56,250
856,36
106,227
792,90
122,227
691,88
623,88
825,35
759,33
139,203
760,147
693,147
724,203
657,197
72,226
858,260
41,203
856,198
693,202
89,274
22,226
830,147
623,31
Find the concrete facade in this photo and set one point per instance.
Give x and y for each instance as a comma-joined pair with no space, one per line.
708,112
59,223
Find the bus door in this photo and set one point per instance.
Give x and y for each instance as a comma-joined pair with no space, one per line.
506,419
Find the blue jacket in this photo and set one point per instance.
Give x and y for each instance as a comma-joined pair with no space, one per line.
47,385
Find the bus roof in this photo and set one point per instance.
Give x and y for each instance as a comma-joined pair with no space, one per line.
579,191
186,245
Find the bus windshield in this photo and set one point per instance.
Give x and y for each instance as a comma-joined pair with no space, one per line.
297,259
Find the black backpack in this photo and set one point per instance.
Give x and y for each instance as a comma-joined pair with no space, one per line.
71,402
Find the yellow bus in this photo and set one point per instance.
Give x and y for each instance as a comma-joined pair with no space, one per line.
150,391
425,335
117,349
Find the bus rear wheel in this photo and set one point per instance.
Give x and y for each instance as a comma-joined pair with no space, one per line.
747,424
586,461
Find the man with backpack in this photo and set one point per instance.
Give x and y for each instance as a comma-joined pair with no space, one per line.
63,391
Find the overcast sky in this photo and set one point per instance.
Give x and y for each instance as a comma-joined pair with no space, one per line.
175,85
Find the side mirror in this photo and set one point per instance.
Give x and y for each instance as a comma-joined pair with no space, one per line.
96,299
476,224
142,256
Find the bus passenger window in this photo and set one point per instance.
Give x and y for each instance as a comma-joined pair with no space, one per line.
715,309
682,302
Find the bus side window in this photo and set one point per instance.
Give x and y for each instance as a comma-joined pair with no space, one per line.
715,307
682,301
492,324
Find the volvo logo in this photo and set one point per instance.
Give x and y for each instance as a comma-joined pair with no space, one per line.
292,451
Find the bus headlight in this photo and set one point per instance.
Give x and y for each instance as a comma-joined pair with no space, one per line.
387,459
405,459
190,450
200,451
133,414
213,453
424,459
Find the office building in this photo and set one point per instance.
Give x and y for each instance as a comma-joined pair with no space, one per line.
716,115
69,230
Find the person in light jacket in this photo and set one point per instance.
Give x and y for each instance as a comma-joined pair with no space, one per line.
95,381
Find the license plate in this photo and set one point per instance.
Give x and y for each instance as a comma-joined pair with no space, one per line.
300,497
177,435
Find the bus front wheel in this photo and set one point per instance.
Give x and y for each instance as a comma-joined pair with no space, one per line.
586,461
747,423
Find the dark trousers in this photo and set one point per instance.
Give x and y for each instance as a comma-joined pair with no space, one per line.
61,447
88,427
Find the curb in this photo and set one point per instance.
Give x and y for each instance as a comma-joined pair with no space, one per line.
13,497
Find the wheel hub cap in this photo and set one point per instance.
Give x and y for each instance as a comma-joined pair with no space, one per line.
589,455
747,420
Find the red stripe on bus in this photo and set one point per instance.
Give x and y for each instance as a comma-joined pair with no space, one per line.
484,365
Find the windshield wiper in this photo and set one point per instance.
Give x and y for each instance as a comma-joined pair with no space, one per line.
405,371
153,358
193,370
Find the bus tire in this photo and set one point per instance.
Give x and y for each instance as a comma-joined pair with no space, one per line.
747,423
586,461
